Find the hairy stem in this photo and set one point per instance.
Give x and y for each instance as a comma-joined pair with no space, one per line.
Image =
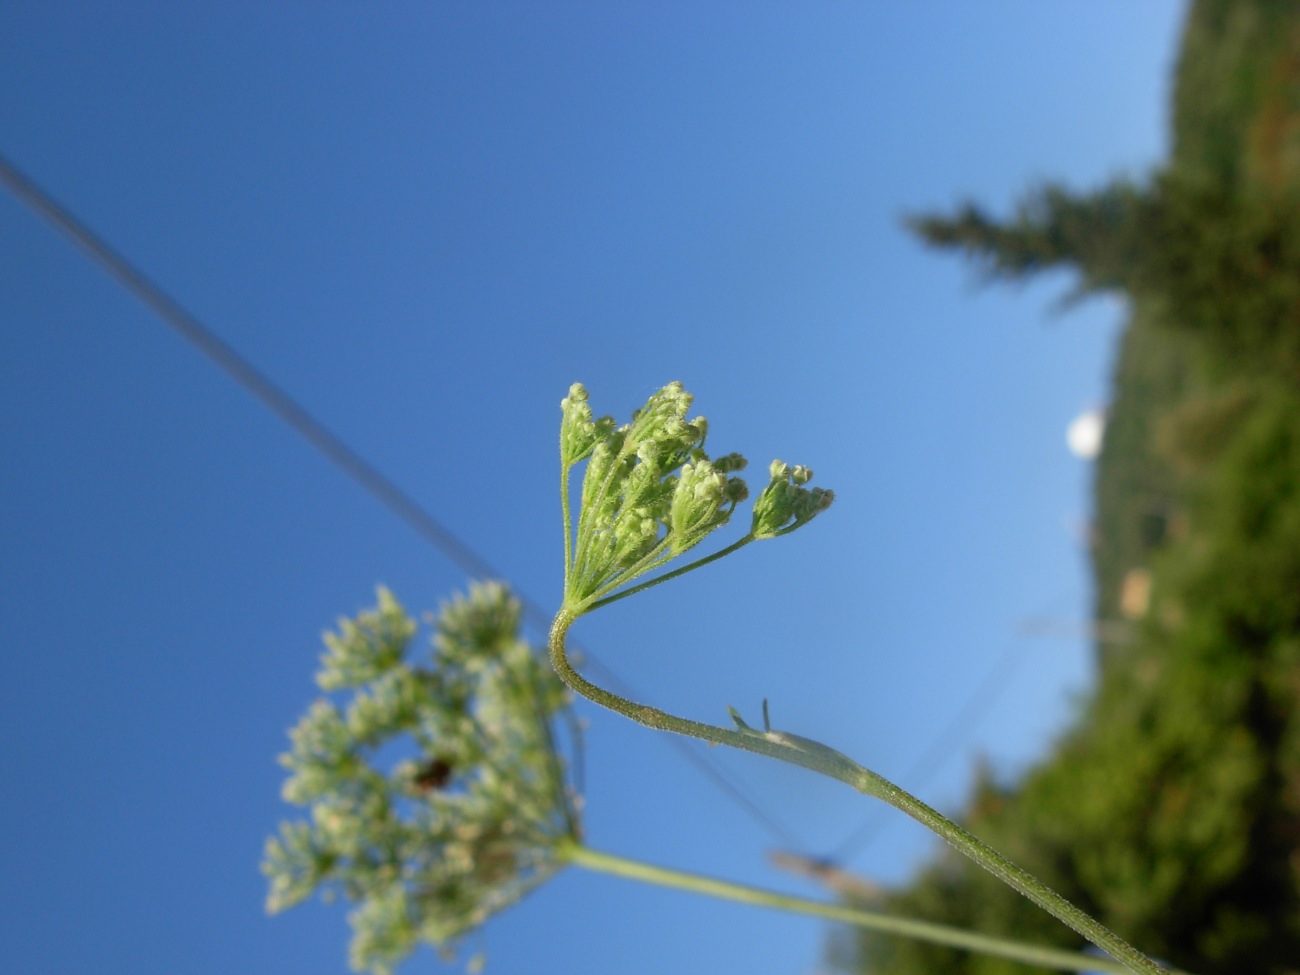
568,524
583,856
820,758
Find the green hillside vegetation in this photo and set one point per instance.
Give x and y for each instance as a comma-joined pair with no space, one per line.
1171,809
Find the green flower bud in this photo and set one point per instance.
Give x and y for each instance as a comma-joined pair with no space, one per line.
296,864
607,469
390,705
637,534
730,463
478,624
737,491
385,931
579,433
699,504
321,737
363,649
663,416
785,504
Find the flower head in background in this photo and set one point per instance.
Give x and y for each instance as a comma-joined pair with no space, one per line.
437,794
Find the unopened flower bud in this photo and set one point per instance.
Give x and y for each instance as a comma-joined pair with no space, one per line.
785,503
730,463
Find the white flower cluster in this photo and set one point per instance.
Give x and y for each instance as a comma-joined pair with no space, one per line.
437,794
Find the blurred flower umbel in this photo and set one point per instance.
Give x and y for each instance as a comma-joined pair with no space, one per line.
437,794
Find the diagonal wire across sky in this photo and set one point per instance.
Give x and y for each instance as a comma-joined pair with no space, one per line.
338,452
433,531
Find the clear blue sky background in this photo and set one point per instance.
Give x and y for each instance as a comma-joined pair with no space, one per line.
426,220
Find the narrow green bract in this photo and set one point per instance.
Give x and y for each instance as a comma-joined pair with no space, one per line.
785,503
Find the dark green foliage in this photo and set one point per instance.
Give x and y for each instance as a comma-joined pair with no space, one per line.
954,889
1157,369
1235,101
1093,234
1227,262
1171,809
1223,259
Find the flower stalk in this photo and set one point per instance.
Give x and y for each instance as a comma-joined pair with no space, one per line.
649,494
1054,958
473,809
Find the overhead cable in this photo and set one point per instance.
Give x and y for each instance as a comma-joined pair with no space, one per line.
374,481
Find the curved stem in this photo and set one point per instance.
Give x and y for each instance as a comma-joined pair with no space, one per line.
1070,961
663,721
821,758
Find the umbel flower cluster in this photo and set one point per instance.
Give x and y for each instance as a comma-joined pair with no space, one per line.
651,493
437,794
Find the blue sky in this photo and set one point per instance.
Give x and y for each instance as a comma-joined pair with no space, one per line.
425,220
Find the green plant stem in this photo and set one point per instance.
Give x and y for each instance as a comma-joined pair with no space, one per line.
821,758
1070,961
568,523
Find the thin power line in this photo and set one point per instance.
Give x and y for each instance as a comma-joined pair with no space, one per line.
378,484
978,704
